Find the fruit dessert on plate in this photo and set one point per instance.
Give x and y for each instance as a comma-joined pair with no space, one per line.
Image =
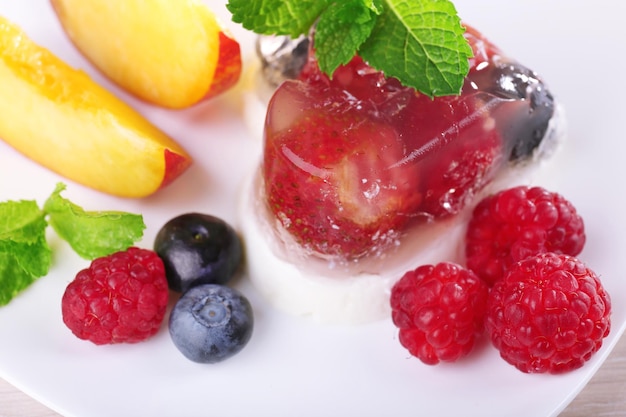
363,178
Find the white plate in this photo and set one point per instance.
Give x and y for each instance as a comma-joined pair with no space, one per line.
293,367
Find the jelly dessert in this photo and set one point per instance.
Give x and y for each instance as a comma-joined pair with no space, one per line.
363,178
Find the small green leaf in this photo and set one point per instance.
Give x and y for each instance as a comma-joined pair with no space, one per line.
421,43
21,221
277,17
341,30
24,252
92,234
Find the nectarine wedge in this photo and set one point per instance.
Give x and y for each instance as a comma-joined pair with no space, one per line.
58,116
172,53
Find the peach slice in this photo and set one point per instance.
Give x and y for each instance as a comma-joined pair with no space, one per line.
172,53
59,117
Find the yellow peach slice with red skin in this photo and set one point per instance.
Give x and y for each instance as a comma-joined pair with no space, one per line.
171,53
59,117
229,66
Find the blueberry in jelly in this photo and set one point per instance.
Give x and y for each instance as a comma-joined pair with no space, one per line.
513,81
282,57
198,248
211,323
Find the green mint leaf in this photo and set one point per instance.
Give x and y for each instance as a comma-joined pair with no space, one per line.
341,30
421,43
92,234
277,17
24,252
13,278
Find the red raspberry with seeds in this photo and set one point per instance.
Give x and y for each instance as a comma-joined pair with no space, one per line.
120,298
514,224
549,314
440,311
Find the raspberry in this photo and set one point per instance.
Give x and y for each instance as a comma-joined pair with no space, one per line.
120,298
550,314
514,224
439,310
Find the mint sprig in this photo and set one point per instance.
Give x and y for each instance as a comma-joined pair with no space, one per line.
25,254
419,42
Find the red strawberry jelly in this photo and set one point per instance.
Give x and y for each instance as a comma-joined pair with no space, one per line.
350,163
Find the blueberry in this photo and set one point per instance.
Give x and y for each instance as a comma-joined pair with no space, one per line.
198,249
513,81
210,323
520,83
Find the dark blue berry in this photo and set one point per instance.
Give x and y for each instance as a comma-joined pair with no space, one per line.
513,81
198,249
210,323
